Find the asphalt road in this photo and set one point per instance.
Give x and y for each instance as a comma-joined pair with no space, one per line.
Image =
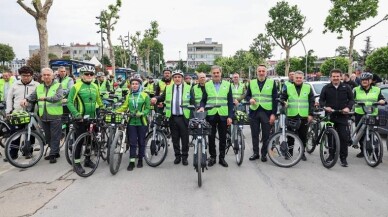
253,189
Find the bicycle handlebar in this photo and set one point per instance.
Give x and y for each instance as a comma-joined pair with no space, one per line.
207,107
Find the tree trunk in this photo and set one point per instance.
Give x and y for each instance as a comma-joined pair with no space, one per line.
350,67
287,64
148,60
111,52
41,25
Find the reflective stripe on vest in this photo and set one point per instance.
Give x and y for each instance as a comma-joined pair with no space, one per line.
264,97
65,83
298,104
185,100
220,98
197,94
51,108
367,98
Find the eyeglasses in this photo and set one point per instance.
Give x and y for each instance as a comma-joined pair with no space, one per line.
88,74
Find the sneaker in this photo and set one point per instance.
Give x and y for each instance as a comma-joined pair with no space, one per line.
360,155
344,163
89,163
211,162
264,158
78,168
131,166
185,162
177,160
139,163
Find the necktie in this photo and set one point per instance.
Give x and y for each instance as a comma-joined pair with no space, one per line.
177,101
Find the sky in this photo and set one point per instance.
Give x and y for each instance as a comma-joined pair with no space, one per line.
234,23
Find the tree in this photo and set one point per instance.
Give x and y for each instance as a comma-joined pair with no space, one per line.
367,51
121,56
203,67
108,19
347,15
243,61
135,43
52,56
34,62
148,42
40,15
6,53
227,65
286,27
157,54
262,47
343,51
378,61
295,64
310,61
338,63
105,61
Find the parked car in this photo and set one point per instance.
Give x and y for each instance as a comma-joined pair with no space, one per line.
383,111
317,86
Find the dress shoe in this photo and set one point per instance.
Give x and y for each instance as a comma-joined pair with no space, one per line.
254,157
139,164
223,162
131,166
344,163
185,162
360,155
211,162
53,159
177,160
304,157
89,163
263,158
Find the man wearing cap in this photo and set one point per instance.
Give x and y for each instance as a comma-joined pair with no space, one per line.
174,96
82,100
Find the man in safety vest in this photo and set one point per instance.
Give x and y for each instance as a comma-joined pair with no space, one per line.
49,97
198,89
174,96
238,89
5,85
218,92
103,85
367,94
300,105
149,87
261,95
161,86
66,83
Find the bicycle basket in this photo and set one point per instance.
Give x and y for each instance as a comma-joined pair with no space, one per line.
241,117
195,130
19,118
375,120
113,118
293,123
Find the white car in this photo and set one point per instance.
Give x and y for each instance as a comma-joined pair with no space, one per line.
317,86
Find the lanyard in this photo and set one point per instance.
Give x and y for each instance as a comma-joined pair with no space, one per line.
134,103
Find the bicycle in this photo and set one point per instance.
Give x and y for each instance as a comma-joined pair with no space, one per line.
373,147
279,151
322,132
236,135
156,145
21,146
92,145
199,128
69,141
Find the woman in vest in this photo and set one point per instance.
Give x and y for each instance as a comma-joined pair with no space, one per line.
368,94
137,103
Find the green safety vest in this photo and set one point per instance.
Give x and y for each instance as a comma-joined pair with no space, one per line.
125,86
150,88
367,98
264,97
77,98
298,104
102,86
237,93
65,82
162,86
2,83
185,100
218,98
197,94
52,108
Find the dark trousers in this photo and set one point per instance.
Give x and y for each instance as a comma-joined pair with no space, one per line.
301,132
178,127
136,140
53,130
220,126
80,127
261,120
344,136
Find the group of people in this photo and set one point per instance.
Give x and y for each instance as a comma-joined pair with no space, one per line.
56,96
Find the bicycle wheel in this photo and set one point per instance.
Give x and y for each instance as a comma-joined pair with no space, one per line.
116,152
89,154
281,152
239,148
4,133
104,144
156,149
63,136
311,143
373,149
69,143
329,148
22,153
199,161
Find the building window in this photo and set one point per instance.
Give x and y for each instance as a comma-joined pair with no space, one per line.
96,51
74,51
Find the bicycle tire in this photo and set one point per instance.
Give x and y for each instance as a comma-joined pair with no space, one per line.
161,148
374,154
69,143
39,146
324,149
241,148
115,151
104,145
111,135
63,137
94,151
4,130
311,143
278,151
199,161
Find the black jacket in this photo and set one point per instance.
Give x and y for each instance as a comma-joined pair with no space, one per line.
338,99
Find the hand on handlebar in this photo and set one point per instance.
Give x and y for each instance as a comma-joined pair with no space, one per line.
252,101
345,110
202,109
328,109
382,102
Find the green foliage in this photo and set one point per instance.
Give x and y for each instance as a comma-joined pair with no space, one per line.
34,62
119,56
347,15
262,47
227,65
240,63
105,61
6,53
338,63
310,61
52,56
378,61
4,68
148,42
295,64
203,67
343,51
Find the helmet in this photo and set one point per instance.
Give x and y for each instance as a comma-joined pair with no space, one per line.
136,79
119,77
99,74
167,69
86,69
177,72
366,76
